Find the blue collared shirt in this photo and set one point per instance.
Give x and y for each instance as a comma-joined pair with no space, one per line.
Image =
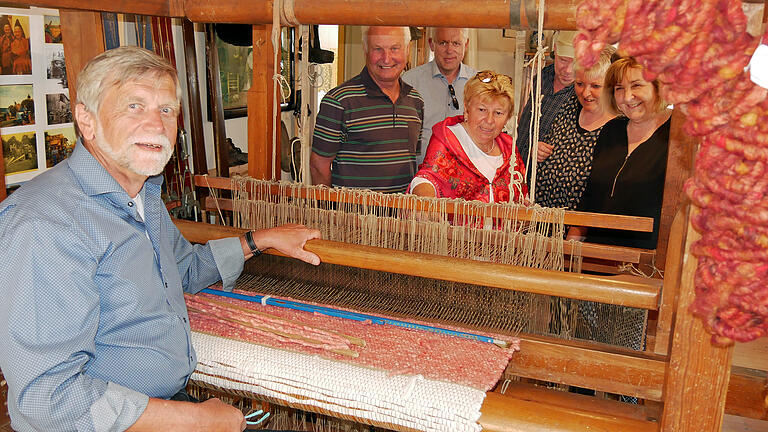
92,317
433,87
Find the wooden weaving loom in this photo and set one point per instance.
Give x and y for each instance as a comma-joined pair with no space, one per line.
687,383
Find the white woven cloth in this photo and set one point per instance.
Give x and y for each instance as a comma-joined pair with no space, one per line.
410,401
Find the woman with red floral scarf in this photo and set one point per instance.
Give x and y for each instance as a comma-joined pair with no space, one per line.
469,156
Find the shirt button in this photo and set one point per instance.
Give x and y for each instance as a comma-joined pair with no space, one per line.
130,203
185,320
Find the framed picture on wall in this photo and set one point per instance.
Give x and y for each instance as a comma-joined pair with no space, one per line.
33,93
235,56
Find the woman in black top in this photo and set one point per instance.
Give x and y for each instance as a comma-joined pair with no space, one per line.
630,159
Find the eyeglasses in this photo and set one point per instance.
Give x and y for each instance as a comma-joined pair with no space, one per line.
454,101
487,76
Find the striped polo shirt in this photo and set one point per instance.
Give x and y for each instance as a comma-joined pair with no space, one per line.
373,141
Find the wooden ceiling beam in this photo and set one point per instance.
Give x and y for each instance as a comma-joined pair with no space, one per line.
164,8
559,14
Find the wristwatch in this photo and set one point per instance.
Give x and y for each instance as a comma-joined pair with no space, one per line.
252,244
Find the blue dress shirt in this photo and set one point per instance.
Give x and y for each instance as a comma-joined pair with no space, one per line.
438,105
92,317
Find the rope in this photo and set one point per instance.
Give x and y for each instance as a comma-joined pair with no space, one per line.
632,269
215,198
533,127
277,6
304,119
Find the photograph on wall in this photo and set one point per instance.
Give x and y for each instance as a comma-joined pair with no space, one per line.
17,108
52,29
59,144
58,108
54,62
19,152
14,45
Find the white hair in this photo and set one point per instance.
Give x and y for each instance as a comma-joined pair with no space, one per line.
115,67
464,32
367,29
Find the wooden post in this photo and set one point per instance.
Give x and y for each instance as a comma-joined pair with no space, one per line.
217,107
422,48
698,373
261,98
682,149
196,138
672,279
340,55
83,37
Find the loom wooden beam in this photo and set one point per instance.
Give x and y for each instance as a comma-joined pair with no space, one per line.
697,380
622,290
669,295
682,150
559,14
590,365
83,37
164,8
747,394
501,413
262,161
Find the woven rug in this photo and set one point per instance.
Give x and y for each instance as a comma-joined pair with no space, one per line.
377,374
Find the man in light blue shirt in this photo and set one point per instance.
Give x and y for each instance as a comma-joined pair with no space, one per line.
441,81
93,326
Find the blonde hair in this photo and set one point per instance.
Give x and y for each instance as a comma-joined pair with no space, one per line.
600,67
406,35
117,66
498,86
617,72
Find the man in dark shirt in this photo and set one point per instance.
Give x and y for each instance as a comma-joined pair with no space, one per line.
367,132
556,89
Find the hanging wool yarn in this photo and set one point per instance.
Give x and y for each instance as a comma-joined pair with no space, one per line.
698,50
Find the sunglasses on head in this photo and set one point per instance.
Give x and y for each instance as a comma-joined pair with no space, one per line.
487,76
454,101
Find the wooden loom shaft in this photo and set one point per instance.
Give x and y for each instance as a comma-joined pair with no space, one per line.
621,290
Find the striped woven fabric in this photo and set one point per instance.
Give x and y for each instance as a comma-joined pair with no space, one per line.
381,375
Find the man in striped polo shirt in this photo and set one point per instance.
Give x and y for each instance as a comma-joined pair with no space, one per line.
367,133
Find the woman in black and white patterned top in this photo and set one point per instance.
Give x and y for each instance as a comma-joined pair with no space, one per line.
565,154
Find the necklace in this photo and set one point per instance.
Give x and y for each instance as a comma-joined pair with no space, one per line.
493,144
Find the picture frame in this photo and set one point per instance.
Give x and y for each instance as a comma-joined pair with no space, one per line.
236,73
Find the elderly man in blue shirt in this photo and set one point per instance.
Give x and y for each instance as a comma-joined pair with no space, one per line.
441,81
93,326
